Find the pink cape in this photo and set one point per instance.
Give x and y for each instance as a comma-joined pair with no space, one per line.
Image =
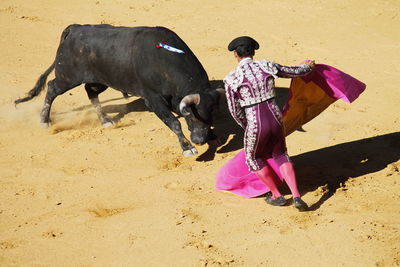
308,97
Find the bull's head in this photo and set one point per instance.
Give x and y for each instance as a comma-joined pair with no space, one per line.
197,110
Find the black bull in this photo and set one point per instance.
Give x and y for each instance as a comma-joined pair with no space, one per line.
131,60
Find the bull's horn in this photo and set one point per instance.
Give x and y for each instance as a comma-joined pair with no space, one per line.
188,100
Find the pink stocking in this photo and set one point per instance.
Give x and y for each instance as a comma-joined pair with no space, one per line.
288,174
266,175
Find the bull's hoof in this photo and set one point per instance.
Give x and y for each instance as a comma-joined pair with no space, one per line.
45,125
107,124
190,152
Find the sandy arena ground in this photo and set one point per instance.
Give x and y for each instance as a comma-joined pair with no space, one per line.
80,195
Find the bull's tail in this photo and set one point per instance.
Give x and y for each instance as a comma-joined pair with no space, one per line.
39,86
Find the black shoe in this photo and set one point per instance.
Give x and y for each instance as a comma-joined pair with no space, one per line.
279,201
300,204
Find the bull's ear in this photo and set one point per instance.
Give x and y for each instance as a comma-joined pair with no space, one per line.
221,92
218,94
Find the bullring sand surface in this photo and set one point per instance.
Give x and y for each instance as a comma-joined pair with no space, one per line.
76,194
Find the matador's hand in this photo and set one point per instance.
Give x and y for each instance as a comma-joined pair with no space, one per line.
310,63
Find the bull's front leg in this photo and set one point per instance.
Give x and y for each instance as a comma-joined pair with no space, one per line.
160,108
187,148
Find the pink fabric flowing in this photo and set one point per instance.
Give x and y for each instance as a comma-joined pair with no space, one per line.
234,176
335,83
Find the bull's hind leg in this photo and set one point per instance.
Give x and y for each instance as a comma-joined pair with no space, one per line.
93,90
54,89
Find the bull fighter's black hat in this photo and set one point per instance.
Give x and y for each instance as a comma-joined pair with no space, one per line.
243,40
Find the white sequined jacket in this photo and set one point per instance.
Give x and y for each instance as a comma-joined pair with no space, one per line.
253,82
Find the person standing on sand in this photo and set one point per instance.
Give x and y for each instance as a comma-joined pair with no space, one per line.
250,93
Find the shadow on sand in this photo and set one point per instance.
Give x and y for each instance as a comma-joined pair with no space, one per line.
224,124
331,166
